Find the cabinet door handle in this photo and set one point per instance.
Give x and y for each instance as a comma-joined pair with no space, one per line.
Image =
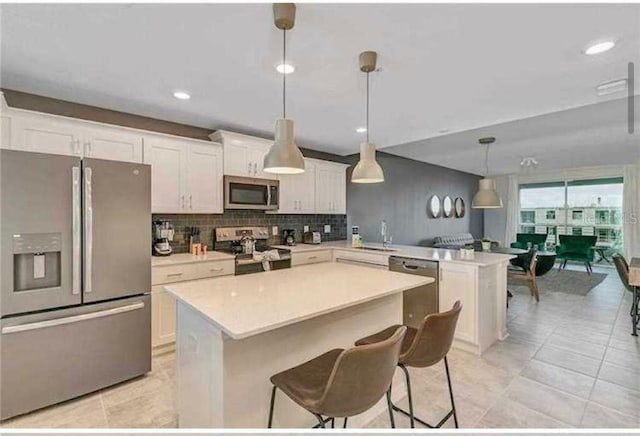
249,168
216,269
182,202
190,202
312,257
174,275
255,169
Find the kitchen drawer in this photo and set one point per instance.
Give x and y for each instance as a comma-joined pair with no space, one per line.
191,271
305,258
365,259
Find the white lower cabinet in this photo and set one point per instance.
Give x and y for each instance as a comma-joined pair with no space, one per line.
163,305
309,257
371,260
459,282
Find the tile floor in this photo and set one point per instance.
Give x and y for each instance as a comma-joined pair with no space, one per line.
569,362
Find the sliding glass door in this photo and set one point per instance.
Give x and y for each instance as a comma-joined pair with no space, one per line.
574,207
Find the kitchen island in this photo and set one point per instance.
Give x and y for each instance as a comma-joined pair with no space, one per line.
235,332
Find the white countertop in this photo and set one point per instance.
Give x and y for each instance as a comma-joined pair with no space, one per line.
176,259
427,253
247,305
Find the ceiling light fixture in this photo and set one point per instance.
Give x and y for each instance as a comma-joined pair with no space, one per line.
181,95
284,157
611,87
285,68
361,129
599,47
367,170
487,196
529,162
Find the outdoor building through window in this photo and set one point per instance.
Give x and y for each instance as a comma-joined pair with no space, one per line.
574,207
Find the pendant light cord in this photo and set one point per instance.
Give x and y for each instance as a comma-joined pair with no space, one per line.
367,111
284,75
486,161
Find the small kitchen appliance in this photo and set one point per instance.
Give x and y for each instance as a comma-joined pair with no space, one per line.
311,238
163,234
289,236
248,245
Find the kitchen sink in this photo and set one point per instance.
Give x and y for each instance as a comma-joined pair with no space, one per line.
377,249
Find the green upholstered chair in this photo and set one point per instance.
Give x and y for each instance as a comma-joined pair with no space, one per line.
522,239
576,248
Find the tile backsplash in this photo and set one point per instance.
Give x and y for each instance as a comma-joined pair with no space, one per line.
207,223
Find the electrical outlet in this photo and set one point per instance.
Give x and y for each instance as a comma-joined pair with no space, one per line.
274,230
327,228
306,228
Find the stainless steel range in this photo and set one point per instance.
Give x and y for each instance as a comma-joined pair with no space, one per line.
249,245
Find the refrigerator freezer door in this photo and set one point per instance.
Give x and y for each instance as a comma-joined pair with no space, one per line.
117,235
40,231
58,355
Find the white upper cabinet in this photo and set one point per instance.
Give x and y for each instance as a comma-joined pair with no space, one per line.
331,187
112,143
298,191
186,175
44,133
204,178
167,158
243,154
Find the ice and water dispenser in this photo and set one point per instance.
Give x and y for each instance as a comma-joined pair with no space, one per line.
36,261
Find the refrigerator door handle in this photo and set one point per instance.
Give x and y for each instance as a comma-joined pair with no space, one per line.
76,264
88,229
71,319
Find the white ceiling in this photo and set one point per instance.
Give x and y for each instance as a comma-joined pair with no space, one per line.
455,67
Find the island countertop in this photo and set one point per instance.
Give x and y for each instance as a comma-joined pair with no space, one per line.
426,253
246,305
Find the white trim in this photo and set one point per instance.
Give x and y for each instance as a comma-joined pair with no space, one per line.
573,174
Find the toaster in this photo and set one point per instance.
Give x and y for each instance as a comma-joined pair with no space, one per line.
311,238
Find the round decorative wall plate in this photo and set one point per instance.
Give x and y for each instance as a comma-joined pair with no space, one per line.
447,207
459,207
434,206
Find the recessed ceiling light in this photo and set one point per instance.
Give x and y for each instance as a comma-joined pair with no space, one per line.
361,129
599,47
285,68
181,95
612,87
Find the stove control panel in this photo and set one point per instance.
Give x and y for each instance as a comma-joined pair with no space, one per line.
226,234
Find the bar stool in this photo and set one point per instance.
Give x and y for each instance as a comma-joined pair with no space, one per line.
421,348
342,383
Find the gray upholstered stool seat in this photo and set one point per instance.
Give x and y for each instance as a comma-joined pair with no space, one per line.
421,348
342,383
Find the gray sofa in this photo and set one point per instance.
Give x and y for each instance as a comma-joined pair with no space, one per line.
453,241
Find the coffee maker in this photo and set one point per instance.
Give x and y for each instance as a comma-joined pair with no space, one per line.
163,234
289,236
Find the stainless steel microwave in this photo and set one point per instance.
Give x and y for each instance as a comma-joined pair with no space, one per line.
251,193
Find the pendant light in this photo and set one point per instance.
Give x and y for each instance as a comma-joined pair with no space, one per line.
367,170
284,157
487,196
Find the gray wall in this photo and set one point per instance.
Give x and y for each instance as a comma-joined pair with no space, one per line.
402,201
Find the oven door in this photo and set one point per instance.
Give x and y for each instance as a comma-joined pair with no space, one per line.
250,193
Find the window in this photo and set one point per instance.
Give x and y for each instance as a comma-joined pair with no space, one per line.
528,216
576,207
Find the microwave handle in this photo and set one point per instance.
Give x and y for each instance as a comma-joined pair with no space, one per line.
269,194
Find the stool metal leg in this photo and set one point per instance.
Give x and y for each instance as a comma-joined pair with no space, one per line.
635,313
344,424
320,421
273,400
453,405
409,395
390,407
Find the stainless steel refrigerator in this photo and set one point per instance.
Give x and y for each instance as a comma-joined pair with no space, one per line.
75,277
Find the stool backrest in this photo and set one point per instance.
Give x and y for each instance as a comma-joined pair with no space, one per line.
433,339
361,376
623,270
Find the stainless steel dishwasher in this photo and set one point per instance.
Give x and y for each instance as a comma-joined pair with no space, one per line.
423,300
